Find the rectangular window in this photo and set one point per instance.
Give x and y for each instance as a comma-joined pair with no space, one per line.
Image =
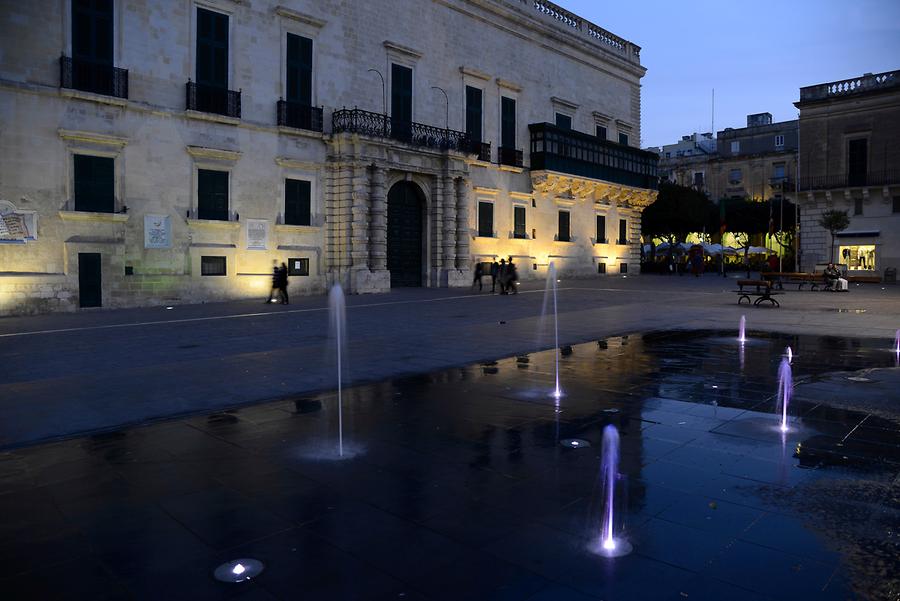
298,266
507,123
623,231
779,142
735,147
298,78
473,113
297,202
94,184
857,206
601,229
698,179
857,162
92,45
601,132
401,102
623,268
896,208
778,170
563,121
486,219
601,267
564,232
623,139
212,266
212,195
668,155
212,48
519,222
734,176
858,257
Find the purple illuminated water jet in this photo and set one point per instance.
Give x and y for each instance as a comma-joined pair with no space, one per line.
548,291
609,543
742,336
897,343
338,319
785,387
789,354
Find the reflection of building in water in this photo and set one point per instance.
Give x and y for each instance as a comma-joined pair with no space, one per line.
175,154
850,161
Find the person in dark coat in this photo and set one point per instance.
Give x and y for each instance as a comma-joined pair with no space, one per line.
479,271
495,273
276,274
512,277
283,284
502,276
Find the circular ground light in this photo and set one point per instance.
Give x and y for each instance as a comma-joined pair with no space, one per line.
239,570
575,443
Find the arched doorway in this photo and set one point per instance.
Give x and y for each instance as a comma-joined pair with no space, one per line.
405,234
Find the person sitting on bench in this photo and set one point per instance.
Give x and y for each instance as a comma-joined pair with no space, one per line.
832,275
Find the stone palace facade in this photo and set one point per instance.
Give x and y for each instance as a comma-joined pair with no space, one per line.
166,151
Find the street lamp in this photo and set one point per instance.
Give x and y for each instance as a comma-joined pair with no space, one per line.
447,101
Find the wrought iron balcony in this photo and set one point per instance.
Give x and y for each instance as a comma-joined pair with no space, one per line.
856,180
556,149
782,182
88,76
294,114
213,99
378,125
483,150
510,156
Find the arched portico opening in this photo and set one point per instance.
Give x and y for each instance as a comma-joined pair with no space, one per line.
406,234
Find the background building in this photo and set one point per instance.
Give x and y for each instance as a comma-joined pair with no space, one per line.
162,151
850,161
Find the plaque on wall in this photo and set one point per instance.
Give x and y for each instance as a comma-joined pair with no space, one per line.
16,226
257,234
157,231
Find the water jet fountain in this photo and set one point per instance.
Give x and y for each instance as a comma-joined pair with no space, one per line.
337,313
742,336
551,288
897,343
789,354
785,387
610,544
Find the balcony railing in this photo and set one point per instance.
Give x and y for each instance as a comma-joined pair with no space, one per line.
300,116
482,150
510,156
827,182
781,182
88,76
213,99
576,153
378,125
851,87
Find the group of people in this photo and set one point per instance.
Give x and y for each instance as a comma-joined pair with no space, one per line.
833,279
279,283
505,273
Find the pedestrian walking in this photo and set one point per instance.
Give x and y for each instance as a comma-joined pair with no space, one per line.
502,276
276,275
512,276
495,273
283,284
479,272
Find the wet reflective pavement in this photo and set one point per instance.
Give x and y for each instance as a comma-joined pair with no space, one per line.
454,485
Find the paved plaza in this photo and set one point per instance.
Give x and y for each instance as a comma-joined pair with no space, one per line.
446,475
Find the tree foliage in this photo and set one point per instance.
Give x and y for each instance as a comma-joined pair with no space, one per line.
678,211
834,221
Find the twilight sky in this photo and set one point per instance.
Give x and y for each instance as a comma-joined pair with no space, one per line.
757,55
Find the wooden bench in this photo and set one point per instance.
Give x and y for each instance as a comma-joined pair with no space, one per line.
780,278
763,292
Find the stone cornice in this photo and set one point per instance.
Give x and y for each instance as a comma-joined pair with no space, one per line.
213,224
95,217
564,103
484,190
401,49
289,13
624,125
86,137
562,185
472,72
601,118
290,163
215,154
509,85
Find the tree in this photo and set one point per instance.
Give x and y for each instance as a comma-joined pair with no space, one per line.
783,223
677,212
834,221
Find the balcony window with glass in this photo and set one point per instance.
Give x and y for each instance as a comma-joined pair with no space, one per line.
212,195
623,139
601,132
564,231
90,68
623,231
210,93
735,176
297,202
601,229
94,184
486,219
296,109
519,230
509,155
563,121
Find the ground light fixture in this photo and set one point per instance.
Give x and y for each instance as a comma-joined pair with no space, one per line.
239,570
575,443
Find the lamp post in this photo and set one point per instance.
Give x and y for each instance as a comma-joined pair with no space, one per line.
447,101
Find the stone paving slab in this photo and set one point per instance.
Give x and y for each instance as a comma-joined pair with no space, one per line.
66,374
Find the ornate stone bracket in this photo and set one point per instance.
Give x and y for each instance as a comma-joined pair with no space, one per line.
563,185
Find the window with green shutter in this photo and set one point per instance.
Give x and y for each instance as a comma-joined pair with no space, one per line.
94,184
507,122
297,202
601,229
486,219
519,222
299,70
473,113
212,48
564,233
212,194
